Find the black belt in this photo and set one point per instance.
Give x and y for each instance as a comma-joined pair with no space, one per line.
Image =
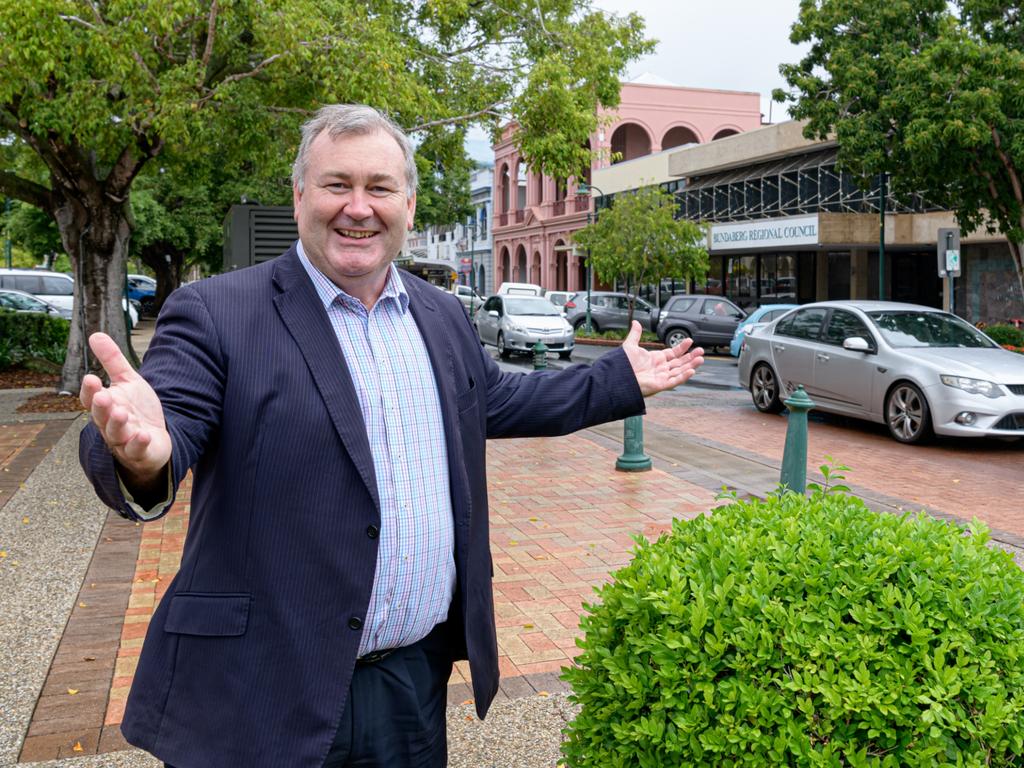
374,656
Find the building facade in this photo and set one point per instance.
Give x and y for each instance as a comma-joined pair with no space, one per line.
463,246
785,224
536,215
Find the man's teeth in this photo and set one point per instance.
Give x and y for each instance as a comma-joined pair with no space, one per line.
355,234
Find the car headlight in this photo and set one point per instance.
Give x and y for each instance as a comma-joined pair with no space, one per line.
516,328
973,386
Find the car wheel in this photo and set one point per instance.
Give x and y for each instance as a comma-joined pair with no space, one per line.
503,351
764,389
907,414
565,355
676,336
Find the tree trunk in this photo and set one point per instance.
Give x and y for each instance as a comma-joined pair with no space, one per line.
167,264
95,233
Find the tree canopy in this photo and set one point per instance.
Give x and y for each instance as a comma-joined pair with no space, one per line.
930,91
640,239
91,91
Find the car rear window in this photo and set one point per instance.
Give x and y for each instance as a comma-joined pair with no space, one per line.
58,286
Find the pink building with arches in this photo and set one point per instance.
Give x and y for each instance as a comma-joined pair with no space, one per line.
535,215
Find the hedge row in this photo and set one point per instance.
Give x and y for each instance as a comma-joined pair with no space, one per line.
26,336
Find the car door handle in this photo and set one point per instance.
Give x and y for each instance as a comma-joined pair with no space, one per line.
780,347
822,356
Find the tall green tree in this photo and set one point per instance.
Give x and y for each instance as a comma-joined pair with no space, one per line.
931,91
92,91
640,239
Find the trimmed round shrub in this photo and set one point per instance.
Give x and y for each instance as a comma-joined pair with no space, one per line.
1004,333
804,632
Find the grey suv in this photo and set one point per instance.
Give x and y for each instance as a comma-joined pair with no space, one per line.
609,310
709,320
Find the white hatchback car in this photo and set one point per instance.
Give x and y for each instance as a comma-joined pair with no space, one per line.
54,288
517,323
918,370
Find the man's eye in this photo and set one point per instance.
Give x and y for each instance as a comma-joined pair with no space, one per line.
380,190
337,186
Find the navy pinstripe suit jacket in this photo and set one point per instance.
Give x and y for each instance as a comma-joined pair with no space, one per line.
249,655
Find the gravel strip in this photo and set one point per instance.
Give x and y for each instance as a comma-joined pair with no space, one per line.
48,531
521,733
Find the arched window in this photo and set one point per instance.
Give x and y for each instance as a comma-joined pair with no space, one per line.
678,136
630,141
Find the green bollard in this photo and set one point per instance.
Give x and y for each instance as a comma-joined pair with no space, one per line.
633,458
540,356
794,456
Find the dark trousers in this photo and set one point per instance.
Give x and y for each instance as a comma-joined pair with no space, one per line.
395,713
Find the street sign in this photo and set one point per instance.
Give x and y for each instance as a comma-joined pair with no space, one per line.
947,248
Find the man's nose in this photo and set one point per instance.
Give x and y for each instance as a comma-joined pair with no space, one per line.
358,204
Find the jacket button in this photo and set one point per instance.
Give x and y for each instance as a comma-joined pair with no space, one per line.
372,531
355,622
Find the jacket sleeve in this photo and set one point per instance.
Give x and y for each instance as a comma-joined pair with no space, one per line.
186,368
546,403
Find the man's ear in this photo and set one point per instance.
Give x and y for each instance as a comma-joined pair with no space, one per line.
411,212
296,199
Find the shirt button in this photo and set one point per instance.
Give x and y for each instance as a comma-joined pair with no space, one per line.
372,531
355,623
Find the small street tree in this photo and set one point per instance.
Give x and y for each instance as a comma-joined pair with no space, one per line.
931,91
640,239
92,91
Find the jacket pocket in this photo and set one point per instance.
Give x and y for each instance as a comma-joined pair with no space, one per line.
208,614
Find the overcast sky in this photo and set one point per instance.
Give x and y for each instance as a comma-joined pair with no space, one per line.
731,44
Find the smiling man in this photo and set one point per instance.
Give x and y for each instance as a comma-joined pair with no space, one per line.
334,414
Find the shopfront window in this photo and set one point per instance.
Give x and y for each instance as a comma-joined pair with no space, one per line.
778,278
742,280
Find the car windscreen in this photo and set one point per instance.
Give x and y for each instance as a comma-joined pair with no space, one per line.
927,329
536,306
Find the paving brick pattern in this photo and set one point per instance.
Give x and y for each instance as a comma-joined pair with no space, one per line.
562,519
876,461
22,446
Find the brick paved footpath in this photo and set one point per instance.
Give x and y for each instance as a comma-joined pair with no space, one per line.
561,520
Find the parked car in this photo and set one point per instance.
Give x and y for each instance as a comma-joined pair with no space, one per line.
609,310
918,370
763,314
710,321
516,323
143,290
520,289
54,288
471,300
559,298
19,301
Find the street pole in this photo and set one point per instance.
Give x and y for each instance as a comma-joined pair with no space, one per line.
7,233
584,189
472,265
881,236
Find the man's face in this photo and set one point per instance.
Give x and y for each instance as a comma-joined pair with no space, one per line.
354,210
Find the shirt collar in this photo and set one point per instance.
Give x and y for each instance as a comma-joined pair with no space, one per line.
329,292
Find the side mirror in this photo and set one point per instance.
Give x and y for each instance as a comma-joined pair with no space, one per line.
857,344
493,313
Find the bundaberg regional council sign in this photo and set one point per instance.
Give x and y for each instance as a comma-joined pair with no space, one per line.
764,234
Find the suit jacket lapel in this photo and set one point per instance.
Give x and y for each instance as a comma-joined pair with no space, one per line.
437,338
303,314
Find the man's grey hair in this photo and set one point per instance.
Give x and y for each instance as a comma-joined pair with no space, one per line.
352,119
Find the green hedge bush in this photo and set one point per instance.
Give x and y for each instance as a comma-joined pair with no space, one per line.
1003,333
804,632
28,336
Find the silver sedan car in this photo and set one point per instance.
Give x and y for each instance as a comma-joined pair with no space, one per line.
915,369
516,323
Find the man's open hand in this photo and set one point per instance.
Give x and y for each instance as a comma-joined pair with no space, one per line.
663,369
128,415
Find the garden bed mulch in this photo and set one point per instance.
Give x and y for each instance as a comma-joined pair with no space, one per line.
22,378
46,402
618,343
